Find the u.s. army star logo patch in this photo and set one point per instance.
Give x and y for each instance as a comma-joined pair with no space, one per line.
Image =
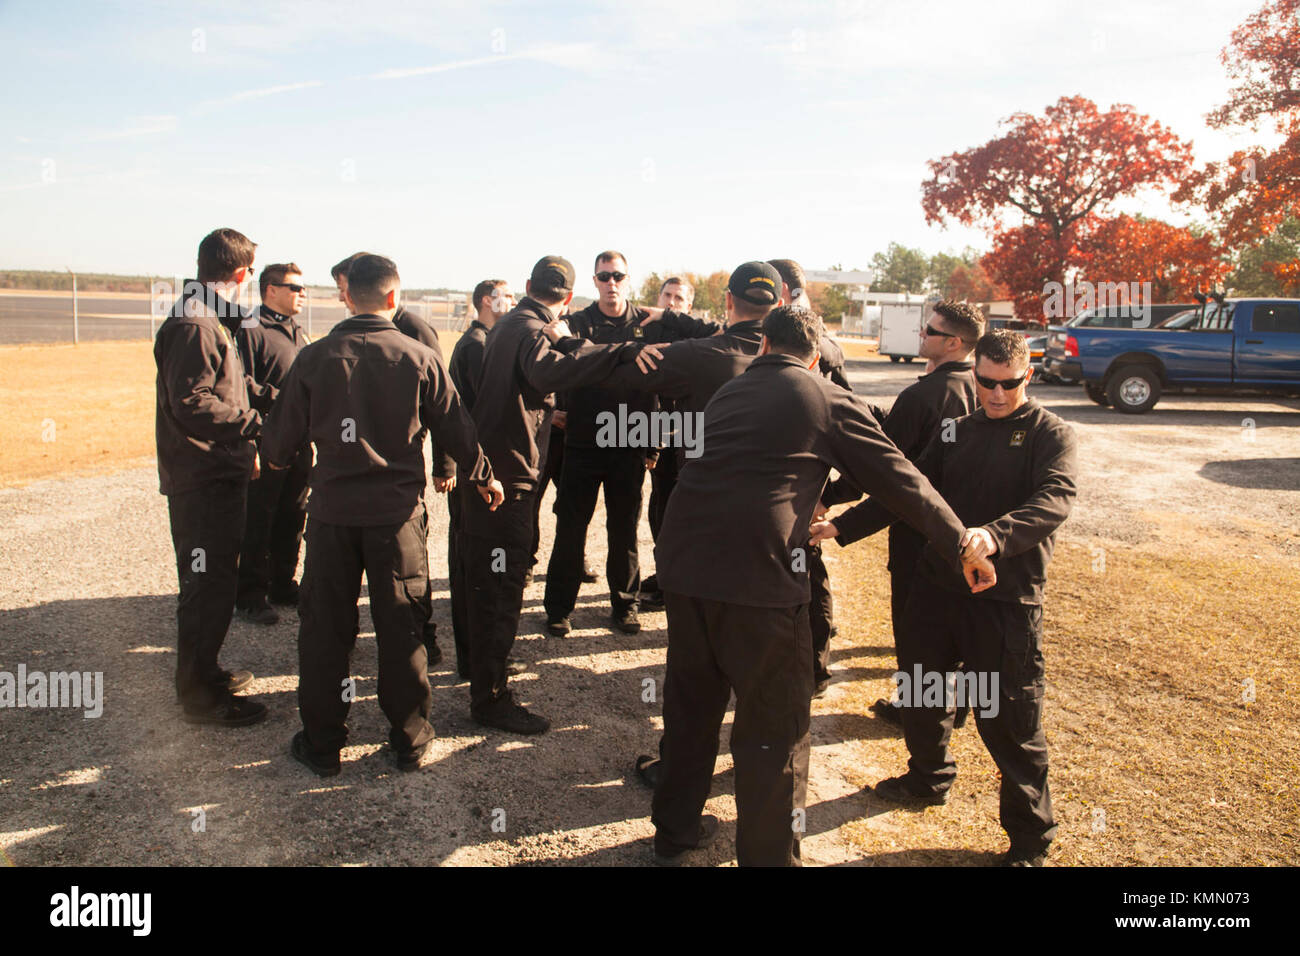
1017,439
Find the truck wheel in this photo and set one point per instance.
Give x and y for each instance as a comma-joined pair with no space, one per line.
1134,389
1096,393
895,358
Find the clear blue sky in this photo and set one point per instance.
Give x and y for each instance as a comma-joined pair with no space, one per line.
465,140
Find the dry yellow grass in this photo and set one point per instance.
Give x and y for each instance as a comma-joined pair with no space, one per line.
78,409
68,409
1156,757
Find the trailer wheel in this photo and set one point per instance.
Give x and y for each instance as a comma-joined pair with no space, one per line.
1134,389
907,359
1096,393
895,358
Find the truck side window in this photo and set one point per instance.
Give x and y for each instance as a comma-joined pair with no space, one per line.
1276,318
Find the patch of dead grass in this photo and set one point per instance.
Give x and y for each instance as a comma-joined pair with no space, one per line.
81,409
1144,712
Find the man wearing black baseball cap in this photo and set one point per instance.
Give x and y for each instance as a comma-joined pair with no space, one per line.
732,556
690,372
525,358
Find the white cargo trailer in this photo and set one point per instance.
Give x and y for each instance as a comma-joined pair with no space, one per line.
900,329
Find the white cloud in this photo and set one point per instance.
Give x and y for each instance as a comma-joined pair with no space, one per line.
558,55
274,90
136,126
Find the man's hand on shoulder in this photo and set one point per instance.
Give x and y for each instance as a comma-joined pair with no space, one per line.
649,357
652,314
556,329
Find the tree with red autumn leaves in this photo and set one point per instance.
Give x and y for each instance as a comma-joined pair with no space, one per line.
1255,189
1059,171
1176,261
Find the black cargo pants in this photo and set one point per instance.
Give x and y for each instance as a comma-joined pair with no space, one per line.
277,513
947,632
821,614
396,566
495,556
460,597
622,473
764,654
207,526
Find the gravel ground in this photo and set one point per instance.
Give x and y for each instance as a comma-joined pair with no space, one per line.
87,581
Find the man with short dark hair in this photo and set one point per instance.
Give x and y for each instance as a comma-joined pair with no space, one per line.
206,453
1009,472
919,414
277,500
364,395
687,374
676,295
490,300
821,609
525,358
589,466
442,467
733,561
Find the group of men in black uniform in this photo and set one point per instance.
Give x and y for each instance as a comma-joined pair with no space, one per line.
738,517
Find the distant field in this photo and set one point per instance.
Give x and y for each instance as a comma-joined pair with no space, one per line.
68,409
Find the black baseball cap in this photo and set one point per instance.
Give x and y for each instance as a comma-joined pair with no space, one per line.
758,283
553,274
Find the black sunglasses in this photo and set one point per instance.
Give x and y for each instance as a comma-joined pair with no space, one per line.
931,330
291,286
1008,384
606,276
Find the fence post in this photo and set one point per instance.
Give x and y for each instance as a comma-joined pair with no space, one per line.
76,332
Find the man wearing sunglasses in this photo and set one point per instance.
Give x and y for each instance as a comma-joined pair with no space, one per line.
1009,474
268,343
588,466
944,394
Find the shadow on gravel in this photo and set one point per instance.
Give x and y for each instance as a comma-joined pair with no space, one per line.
127,788
927,858
1275,474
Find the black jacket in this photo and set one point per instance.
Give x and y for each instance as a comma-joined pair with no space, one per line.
204,423
1014,476
466,365
831,363
690,372
411,325
268,343
917,415
736,529
364,395
584,403
520,371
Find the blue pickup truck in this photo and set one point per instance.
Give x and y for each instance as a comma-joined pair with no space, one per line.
1225,345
